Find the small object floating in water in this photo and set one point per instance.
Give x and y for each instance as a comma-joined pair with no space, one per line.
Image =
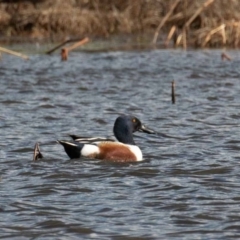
123,150
37,154
225,56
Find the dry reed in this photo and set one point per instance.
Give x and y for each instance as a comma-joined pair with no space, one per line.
195,23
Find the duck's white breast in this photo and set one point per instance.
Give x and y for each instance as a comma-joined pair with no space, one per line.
136,151
89,149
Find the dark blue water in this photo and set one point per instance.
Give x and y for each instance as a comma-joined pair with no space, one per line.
187,187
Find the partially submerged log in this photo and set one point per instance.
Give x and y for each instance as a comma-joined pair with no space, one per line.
60,45
65,51
84,40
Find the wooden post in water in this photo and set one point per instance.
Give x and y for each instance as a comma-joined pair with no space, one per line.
64,54
173,93
66,50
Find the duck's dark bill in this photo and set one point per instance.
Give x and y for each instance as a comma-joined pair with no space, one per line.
146,130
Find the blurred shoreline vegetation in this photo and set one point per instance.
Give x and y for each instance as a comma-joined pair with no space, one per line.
190,23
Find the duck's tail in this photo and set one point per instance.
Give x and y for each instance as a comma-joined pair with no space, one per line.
73,149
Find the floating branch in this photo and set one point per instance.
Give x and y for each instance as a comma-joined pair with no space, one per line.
164,20
17,54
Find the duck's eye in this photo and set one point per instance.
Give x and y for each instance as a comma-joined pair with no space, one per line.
134,120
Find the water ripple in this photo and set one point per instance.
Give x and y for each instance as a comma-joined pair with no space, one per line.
187,187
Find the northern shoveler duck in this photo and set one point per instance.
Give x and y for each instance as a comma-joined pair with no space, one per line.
122,150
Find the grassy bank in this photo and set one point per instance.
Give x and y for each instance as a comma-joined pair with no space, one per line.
183,23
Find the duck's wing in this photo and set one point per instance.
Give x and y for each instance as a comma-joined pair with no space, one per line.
92,140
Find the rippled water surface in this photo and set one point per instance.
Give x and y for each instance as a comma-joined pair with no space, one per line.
187,187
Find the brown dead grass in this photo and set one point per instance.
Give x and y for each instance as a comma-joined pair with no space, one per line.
217,25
